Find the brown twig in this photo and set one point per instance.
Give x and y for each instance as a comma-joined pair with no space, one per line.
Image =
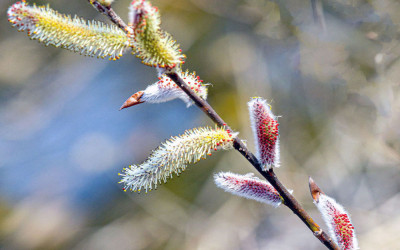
289,199
110,13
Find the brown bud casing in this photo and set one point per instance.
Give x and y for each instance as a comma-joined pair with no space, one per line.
133,100
314,189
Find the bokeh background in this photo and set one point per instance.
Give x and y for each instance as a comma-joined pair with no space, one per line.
333,80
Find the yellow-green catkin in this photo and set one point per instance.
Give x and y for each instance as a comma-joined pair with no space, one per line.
105,2
154,46
174,155
90,38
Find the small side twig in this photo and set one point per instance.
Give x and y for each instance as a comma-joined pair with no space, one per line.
289,199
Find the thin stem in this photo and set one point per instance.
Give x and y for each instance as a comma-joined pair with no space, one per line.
289,199
110,13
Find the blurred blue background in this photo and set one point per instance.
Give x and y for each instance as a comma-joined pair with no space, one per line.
335,84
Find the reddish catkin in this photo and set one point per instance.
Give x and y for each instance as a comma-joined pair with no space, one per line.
248,186
266,132
336,218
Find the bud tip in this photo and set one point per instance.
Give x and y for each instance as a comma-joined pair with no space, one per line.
314,189
133,100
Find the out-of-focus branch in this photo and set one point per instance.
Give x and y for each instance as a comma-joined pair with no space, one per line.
289,199
318,14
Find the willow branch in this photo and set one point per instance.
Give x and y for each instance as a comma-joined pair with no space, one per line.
289,199
110,13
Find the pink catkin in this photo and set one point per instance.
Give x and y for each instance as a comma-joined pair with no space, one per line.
266,132
338,221
249,187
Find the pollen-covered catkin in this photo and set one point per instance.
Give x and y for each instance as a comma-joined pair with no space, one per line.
90,38
154,46
174,155
265,128
336,218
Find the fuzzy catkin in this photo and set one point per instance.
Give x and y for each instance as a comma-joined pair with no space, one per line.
266,133
89,38
338,221
248,186
154,46
174,155
165,89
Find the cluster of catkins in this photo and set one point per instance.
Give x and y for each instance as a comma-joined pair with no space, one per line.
156,48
